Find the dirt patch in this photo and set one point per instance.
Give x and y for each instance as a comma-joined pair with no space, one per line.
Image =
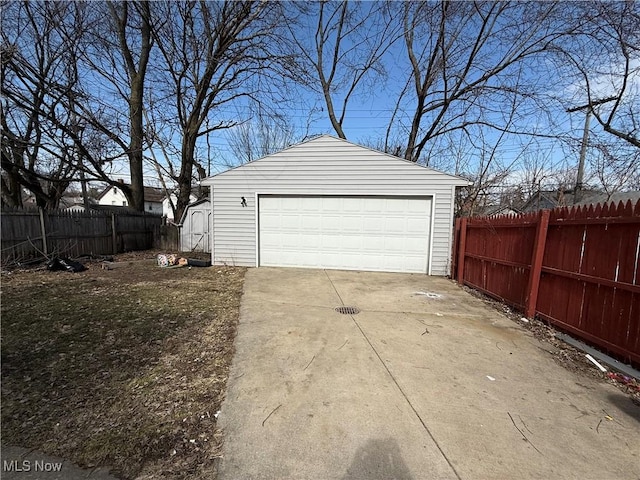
562,353
124,368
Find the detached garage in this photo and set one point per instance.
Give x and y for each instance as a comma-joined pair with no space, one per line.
328,203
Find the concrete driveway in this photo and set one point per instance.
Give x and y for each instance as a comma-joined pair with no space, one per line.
414,386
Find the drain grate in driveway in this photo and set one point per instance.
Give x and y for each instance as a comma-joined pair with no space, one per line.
347,310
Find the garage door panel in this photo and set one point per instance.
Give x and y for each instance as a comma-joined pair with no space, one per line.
347,243
310,241
351,224
311,222
290,221
330,205
307,204
396,207
412,245
352,205
331,223
359,233
289,207
394,225
330,242
270,222
395,246
270,240
417,226
371,225
374,206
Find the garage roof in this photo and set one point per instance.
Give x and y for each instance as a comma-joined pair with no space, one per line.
300,153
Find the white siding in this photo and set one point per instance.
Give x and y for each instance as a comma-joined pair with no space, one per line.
153,207
323,166
167,211
113,196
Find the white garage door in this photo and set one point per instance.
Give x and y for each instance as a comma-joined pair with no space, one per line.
351,233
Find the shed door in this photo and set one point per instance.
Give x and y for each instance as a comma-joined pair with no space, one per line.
351,233
198,230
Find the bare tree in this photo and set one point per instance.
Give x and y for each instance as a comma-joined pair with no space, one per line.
211,53
38,75
260,136
602,58
117,55
615,167
86,70
466,61
488,170
348,43
136,70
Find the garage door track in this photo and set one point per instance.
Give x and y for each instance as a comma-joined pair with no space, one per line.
425,382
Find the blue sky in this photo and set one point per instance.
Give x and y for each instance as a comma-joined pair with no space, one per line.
370,109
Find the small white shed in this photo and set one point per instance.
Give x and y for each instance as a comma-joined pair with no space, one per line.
328,203
194,227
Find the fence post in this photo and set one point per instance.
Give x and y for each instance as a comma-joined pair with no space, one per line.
461,250
454,249
114,237
536,264
43,231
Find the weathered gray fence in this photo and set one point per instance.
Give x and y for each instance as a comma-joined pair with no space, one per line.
29,234
166,237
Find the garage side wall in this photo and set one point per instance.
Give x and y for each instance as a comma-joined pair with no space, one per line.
325,166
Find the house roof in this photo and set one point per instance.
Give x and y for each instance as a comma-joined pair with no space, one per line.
557,198
151,194
493,210
72,199
617,197
455,179
194,204
195,191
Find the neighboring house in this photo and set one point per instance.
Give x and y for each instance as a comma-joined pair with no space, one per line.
153,197
70,200
328,203
565,198
495,210
74,202
167,211
616,198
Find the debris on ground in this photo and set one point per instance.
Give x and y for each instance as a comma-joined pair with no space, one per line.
618,377
171,260
431,295
65,264
562,353
596,363
100,369
627,384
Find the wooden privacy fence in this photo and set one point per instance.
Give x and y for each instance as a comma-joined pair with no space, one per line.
578,268
28,234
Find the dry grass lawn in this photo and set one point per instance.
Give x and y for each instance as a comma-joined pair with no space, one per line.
123,368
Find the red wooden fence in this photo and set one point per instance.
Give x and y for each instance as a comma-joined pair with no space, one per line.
578,268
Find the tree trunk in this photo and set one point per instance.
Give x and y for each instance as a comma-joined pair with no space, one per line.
11,188
136,144
186,172
136,73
